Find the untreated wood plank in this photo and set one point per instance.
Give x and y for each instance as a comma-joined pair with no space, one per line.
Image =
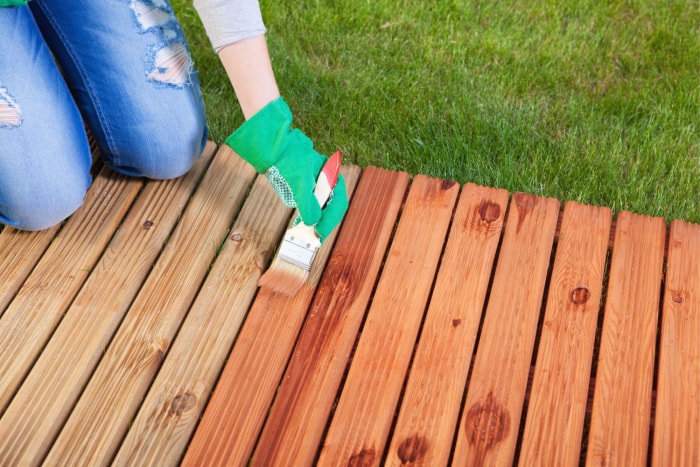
101,417
299,414
433,395
21,250
677,420
38,306
45,399
167,417
242,397
363,418
488,431
619,432
557,404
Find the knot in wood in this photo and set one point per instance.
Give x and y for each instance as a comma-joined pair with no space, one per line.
148,224
413,449
677,297
182,403
489,211
447,184
487,423
580,295
364,458
237,237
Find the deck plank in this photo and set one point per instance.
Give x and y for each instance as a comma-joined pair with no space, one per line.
430,407
299,414
488,430
400,349
168,415
45,399
619,432
557,403
241,400
677,421
58,276
101,417
21,251
363,417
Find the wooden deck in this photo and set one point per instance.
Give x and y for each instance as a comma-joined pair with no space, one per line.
442,324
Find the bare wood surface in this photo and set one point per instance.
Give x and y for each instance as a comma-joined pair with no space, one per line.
295,426
557,403
362,420
45,399
237,409
488,431
102,415
168,415
21,250
677,421
38,306
619,432
430,407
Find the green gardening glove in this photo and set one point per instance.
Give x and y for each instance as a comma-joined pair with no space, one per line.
13,2
287,158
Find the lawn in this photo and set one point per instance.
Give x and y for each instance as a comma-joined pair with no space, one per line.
597,102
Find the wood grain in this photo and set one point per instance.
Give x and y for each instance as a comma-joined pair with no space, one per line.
488,430
619,432
237,409
362,420
102,415
21,250
45,399
38,306
295,426
677,421
168,415
430,407
557,403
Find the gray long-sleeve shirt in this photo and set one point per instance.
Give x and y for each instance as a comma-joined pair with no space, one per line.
229,21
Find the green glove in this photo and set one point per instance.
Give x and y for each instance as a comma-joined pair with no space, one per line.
290,163
13,2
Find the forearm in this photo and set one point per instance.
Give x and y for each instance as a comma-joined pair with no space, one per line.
248,66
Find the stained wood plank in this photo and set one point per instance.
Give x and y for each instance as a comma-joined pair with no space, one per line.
242,397
362,420
430,407
677,420
101,417
299,414
167,417
619,432
21,250
557,404
45,399
488,430
38,306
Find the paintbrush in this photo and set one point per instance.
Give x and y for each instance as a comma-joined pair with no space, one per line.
291,266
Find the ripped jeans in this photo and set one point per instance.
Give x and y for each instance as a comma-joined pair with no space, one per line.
119,67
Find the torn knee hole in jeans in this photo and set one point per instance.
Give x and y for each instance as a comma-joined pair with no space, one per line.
168,61
171,65
10,113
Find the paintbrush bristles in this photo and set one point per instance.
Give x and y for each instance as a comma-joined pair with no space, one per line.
283,277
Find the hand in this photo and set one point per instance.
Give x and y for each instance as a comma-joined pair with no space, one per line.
289,161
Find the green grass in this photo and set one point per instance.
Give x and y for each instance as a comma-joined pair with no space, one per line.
597,102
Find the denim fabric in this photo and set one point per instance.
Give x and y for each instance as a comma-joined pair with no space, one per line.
124,68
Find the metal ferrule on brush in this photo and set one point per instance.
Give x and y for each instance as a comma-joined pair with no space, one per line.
299,251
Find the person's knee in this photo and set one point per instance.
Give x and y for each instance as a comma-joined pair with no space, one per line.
42,204
164,154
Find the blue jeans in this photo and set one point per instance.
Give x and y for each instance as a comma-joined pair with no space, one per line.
119,67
